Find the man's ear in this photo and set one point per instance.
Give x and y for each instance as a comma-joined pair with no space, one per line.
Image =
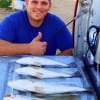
50,6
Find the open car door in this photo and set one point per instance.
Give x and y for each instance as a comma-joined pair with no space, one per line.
86,31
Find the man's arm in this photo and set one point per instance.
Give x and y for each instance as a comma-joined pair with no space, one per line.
8,48
66,52
35,47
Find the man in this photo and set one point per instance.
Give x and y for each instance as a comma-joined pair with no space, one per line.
34,31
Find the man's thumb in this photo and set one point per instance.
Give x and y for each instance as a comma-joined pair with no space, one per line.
38,37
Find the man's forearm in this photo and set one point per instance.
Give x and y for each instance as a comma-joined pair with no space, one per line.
67,52
8,48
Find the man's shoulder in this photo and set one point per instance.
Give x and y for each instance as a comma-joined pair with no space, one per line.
52,18
14,18
16,14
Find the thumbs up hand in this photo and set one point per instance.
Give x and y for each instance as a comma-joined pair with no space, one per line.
36,47
38,37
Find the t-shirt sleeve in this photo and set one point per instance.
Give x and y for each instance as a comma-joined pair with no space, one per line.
64,39
7,30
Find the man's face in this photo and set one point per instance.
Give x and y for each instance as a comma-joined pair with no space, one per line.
37,9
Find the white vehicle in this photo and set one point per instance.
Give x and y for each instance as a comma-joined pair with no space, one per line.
86,30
